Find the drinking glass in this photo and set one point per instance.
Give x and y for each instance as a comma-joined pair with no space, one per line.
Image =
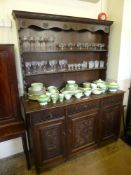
34,66
79,45
53,64
51,42
44,65
28,67
62,45
32,43
25,43
70,45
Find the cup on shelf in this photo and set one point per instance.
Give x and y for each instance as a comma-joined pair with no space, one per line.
84,65
61,97
96,63
91,64
25,43
102,64
54,98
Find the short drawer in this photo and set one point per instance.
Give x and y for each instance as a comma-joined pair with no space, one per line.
47,115
113,100
83,107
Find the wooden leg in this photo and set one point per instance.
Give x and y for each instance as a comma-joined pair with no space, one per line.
25,147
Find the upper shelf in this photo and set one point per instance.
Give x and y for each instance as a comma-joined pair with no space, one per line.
48,21
64,50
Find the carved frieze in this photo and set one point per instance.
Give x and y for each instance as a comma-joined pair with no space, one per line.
112,101
47,24
81,107
42,116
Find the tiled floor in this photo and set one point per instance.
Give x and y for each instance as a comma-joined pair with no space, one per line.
114,159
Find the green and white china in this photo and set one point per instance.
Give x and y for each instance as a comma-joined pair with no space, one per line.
97,91
61,97
113,87
54,97
87,91
43,100
86,84
36,86
67,95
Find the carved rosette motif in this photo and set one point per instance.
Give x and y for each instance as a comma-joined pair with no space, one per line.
51,142
84,132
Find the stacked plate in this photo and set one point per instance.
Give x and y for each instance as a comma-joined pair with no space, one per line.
35,91
113,87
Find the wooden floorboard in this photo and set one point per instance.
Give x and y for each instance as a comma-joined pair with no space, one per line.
114,159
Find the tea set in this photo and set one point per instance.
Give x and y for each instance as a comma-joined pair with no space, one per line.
43,95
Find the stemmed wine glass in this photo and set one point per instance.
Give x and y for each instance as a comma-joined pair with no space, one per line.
71,45
53,64
25,43
32,43
62,45
79,45
46,40
62,64
41,41
51,41
28,67
44,64
34,66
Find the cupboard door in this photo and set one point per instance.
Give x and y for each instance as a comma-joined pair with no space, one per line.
8,85
49,142
111,122
82,132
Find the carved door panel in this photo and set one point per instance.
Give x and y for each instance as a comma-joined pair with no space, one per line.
82,131
111,122
8,85
49,142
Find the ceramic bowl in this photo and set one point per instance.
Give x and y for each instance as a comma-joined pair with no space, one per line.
67,95
78,95
87,84
93,85
71,86
52,89
71,82
113,85
36,86
113,90
43,100
87,91
97,91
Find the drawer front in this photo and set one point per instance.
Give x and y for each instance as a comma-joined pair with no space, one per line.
83,107
111,101
47,115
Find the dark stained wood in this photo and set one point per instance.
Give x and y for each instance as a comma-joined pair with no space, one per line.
111,122
82,132
50,142
42,16
57,132
128,117
64,29
11,122
85,124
